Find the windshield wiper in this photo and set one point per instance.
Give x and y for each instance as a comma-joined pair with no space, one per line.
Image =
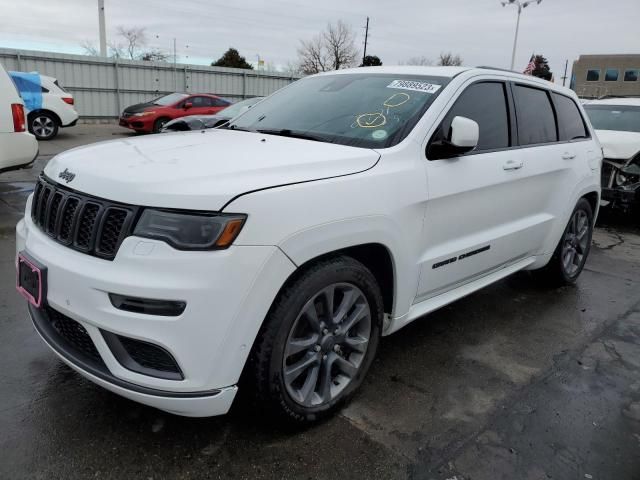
285,132
228,126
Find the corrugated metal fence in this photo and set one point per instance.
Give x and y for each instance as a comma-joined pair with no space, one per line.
103,87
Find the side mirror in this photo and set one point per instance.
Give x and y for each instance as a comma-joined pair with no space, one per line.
188,105
464,134
462,137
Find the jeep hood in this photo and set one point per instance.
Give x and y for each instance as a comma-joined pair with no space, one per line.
201,170
619,145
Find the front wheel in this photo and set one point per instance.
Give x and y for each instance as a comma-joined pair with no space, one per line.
571,254
318,341
159,124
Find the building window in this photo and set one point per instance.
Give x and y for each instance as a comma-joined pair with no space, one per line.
631,75
611,75
593,75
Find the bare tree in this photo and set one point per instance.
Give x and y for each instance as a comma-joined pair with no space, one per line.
135,39
340,42
130,43
448,59
89,48
421,61
332,49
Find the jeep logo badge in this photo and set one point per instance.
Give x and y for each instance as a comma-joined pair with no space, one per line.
67,176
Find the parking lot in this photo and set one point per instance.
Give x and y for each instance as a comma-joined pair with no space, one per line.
516,381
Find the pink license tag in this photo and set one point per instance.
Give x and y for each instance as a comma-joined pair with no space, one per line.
29,281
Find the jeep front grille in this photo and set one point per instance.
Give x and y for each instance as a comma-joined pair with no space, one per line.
91,225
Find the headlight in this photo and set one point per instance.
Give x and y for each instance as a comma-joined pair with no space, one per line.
144,114
190,231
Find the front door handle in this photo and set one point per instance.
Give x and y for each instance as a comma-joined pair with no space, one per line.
568,156
512,165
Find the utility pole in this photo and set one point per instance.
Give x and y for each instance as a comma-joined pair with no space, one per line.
175,64
366,38
103,30
564,77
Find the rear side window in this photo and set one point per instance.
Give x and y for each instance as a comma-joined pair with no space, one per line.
485,103
536,122
570,123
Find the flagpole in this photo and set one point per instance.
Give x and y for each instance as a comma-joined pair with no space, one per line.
515,40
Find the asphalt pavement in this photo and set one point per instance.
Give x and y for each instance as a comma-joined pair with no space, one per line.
517,381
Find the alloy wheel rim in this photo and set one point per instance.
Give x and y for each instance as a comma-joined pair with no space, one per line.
327,344
43,126
575,242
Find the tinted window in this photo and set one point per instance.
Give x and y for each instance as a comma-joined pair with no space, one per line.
486,104
630,75
536,123
611,75
593,75
570,124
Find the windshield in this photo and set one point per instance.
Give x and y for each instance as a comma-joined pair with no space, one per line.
169,99
360,109
239,107
622,118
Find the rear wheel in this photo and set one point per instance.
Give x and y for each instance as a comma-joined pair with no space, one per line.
43,125
571,254
318,341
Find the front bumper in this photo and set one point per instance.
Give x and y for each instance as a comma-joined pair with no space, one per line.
620,197
227,295
139,124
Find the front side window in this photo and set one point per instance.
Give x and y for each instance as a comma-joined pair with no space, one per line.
570,123
593,75
611,75
486,104
621,118
199,102
631,75
219,102
536,121
366,110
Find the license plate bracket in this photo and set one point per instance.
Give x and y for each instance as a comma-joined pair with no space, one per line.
31,279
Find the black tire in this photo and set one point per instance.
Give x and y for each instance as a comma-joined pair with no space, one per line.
159,123
555,273
43,125
267,362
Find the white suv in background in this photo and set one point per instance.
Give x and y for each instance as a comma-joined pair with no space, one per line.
335,211
53,107
18,148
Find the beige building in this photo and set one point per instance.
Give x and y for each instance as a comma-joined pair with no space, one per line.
596,76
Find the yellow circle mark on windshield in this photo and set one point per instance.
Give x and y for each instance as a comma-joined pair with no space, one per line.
396,100
371,120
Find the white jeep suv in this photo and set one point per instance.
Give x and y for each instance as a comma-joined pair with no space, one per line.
280,249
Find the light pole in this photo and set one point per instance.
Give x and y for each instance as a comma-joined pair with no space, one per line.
520,6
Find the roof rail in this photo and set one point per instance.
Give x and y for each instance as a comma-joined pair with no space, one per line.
488,67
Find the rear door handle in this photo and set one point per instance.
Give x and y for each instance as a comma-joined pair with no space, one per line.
512,165
568,156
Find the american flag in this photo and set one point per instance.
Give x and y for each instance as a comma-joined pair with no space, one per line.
531,66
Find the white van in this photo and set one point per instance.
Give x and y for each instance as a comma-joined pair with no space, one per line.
281,248
18,148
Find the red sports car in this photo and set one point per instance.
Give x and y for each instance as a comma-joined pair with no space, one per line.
151,116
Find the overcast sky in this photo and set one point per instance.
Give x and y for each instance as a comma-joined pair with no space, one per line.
481,31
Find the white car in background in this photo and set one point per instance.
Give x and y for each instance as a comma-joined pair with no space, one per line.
18,148
49,106
617,125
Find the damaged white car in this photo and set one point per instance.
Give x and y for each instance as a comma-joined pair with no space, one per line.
617,124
